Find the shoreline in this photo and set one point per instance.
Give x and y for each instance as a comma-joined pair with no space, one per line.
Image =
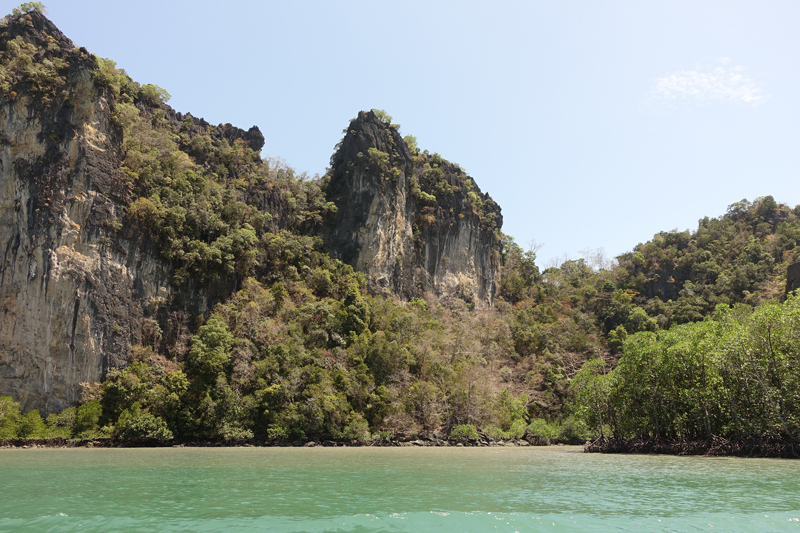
420,442
712,447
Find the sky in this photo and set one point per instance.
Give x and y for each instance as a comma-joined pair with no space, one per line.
593,124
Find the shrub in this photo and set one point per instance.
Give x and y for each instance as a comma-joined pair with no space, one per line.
27,7
61,424
495,432
135,423
277,432
464,431
356,428
87,417
31,426
385,117
153,94
517,429
543,429
9,416
427,198
573,429
383,435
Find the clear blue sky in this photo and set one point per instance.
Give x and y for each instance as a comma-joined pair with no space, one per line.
593,124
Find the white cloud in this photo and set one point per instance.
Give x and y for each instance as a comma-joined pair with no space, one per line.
723,82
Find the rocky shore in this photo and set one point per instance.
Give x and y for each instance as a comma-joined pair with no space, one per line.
714,446
437,440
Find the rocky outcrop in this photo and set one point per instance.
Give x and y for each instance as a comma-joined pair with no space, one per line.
74,283
792,277
80,286
410,221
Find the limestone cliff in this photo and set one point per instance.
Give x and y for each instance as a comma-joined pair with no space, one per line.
83,278
411,221
79,284
73,284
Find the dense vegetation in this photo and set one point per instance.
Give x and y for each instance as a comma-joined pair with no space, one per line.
683,336
734,374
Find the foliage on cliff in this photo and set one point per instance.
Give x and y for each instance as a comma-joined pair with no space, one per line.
296,348
442,191
34,57
739,257
204,193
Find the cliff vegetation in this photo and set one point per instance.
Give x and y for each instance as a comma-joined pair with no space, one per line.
276,323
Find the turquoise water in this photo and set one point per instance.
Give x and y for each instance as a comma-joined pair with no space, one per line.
391,489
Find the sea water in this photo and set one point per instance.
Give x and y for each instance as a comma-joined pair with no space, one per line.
391,489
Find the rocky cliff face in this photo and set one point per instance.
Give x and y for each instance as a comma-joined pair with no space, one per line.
792,277
411,221
74,284
80,285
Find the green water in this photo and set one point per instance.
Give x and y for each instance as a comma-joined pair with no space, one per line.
391,489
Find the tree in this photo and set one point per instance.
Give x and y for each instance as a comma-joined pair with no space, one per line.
134,423
9,417
31,426
411,142
592,388
28,7
210,351
385,117
87,418
154,95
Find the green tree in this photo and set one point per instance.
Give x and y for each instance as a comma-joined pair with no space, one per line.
60,425
210,352
31,426
384,117
134,423
87,419
154,95
464,431
592,386
9,417
27,7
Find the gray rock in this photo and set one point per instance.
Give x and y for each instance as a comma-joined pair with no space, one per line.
452,254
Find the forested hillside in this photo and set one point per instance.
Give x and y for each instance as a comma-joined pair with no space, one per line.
297,345
568,315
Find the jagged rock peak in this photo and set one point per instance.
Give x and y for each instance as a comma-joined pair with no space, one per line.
36,26
368,131
36,29
198,126
411,221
